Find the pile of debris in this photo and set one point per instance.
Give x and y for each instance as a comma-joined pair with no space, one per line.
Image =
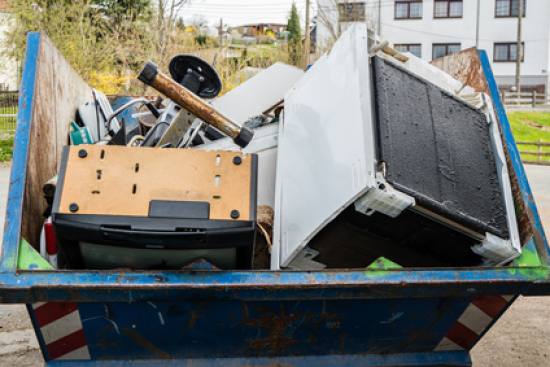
369,154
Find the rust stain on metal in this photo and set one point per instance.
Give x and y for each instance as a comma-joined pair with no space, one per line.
276,326
193,317
145,344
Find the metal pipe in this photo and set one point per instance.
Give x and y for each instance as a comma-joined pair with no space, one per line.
182,96
477,23
519,50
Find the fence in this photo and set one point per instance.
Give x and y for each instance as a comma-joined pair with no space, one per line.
8,112
537,153
525,99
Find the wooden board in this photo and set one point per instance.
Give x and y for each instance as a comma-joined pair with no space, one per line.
464,66
113,180
58,93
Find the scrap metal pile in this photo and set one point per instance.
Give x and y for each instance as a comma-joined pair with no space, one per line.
368,154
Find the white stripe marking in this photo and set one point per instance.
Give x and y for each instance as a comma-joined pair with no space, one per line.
475,319
62,327
77,354
447,344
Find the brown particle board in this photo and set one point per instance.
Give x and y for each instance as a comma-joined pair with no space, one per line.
126,180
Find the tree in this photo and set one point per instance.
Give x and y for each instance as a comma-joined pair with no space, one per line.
101,39
327,15
127,25
168,12
294,30
72,26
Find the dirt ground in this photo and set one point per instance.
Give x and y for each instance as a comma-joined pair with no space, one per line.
520,338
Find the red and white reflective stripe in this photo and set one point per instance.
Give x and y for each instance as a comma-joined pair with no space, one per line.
473,322
61,329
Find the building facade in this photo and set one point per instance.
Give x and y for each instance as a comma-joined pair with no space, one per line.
8,67
434,28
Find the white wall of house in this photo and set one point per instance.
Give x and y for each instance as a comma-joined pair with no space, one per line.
8,67
429,30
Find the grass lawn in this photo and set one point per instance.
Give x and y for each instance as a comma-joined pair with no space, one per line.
531,127
7,124
6,149
7,130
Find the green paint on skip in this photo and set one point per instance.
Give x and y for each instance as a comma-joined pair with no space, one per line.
382,264
529,257
30,259
529,263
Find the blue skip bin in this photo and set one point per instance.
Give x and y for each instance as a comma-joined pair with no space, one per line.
380,316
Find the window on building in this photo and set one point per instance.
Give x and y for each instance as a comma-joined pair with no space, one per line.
352,12
507,52
444,49
408,9
413,48
448,9
508,8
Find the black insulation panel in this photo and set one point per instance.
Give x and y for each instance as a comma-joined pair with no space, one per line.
438,150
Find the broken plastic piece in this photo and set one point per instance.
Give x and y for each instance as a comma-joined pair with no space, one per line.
384,199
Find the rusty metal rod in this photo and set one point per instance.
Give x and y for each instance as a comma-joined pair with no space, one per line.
188,100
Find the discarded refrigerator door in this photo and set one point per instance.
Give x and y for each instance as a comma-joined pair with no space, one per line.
412,196
324,161
445,153
111,208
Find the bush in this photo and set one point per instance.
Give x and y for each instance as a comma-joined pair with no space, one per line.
6,150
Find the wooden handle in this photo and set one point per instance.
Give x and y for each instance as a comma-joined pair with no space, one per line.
182,96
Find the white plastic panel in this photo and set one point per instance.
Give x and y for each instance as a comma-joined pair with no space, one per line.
258,93
326,147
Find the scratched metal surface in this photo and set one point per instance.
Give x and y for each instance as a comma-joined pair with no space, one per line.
201,329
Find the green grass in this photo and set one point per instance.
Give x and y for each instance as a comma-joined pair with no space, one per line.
7,124
531,127
6,149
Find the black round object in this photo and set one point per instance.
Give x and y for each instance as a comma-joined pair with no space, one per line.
82,153
198,72
237,161
235,214
244,137
73,207
149,73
